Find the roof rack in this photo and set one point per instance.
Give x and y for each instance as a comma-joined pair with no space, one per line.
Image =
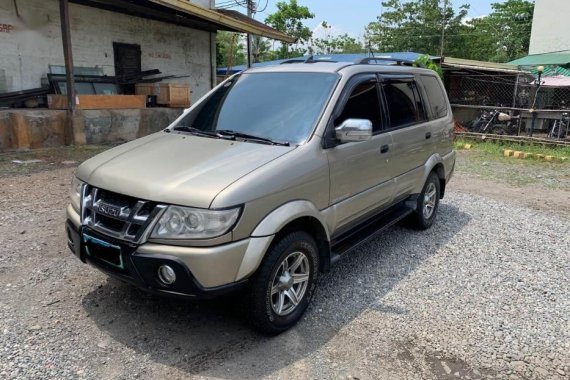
309,59
399,62
292,61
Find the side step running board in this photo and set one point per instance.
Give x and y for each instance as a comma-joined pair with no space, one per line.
366,231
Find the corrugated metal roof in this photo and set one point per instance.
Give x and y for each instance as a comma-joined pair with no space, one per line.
554,81
226,19
551,71
479,65
561,58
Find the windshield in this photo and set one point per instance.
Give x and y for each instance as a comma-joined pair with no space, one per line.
276,106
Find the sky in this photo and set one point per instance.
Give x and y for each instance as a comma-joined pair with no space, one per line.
352,16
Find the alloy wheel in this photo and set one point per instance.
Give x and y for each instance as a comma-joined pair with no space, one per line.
290,283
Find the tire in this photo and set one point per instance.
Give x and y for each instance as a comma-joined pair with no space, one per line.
271,307
421,220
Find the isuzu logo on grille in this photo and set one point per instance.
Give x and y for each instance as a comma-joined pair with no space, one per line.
107,209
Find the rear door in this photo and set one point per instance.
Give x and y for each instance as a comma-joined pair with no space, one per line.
410,131
360,180
438,110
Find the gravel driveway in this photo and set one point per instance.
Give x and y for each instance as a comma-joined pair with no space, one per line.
483,294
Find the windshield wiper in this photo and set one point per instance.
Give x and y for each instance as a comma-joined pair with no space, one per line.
198,132
248,137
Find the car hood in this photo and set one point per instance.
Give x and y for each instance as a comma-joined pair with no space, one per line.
176,168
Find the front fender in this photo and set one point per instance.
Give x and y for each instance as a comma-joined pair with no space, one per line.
283,215
265,231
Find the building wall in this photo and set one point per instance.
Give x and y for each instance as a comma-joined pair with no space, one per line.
550,26
30,40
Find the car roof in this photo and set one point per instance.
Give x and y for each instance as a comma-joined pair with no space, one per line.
338,67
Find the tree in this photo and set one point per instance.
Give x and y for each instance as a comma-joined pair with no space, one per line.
289,19
503,35
261,49
230,50
342,44
416,26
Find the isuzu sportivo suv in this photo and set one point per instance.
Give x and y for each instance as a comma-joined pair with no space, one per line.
267,181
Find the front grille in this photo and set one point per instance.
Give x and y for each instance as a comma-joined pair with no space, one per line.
117,215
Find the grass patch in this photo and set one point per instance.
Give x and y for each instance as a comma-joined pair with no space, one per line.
486,160
496,148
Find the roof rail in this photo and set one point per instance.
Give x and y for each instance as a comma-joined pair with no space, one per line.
309,59
292,61
399,62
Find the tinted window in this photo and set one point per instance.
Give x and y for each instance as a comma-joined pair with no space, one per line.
363,103
436,96
279,106
404,103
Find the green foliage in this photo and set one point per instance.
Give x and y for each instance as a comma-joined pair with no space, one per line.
289,19
415,26
261,48
343,44
426,62
503,35
230,49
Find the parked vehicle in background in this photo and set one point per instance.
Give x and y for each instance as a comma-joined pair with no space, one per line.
559,129
495,122
266,182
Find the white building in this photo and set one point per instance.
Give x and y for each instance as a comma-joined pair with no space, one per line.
550,26
175,36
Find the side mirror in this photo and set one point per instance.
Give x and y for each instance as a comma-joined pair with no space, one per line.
354,130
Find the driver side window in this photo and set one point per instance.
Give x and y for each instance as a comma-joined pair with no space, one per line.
363,103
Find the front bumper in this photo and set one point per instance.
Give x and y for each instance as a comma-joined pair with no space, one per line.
205,272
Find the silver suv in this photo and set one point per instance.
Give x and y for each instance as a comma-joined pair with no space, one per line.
265,182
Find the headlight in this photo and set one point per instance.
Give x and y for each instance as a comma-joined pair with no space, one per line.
190,223
75,193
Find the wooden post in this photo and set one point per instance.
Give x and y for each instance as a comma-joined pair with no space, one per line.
68,57
249,36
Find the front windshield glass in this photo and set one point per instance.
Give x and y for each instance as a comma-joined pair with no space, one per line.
276,106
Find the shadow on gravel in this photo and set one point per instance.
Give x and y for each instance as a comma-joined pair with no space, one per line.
214,339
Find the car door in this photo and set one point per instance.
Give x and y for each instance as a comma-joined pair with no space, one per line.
410,132
437,105
360,181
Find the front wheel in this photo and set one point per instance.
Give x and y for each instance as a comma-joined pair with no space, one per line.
428,203
284,284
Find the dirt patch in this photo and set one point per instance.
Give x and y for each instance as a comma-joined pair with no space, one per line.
40,160
537,197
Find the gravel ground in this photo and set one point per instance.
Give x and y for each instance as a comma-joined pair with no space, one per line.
483,294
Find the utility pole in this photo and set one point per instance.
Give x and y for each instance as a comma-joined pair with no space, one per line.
444,23
249,36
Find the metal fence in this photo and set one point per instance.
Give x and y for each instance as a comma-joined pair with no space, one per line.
478,98
504,90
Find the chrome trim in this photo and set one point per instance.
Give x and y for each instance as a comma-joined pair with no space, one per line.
91,201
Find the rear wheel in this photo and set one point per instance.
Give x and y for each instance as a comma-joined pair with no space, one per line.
428,203
284,284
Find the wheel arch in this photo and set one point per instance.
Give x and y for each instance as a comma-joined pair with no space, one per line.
298,215
435,164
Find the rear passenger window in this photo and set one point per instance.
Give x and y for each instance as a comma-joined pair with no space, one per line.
363,103
404,103
436,96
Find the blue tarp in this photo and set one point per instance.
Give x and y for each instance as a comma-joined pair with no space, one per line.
409,56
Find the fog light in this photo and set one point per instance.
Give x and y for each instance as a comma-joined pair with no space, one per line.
166,275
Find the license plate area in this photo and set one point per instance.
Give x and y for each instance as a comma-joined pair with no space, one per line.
103,251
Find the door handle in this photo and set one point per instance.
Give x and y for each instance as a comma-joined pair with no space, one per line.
384,149
428,135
